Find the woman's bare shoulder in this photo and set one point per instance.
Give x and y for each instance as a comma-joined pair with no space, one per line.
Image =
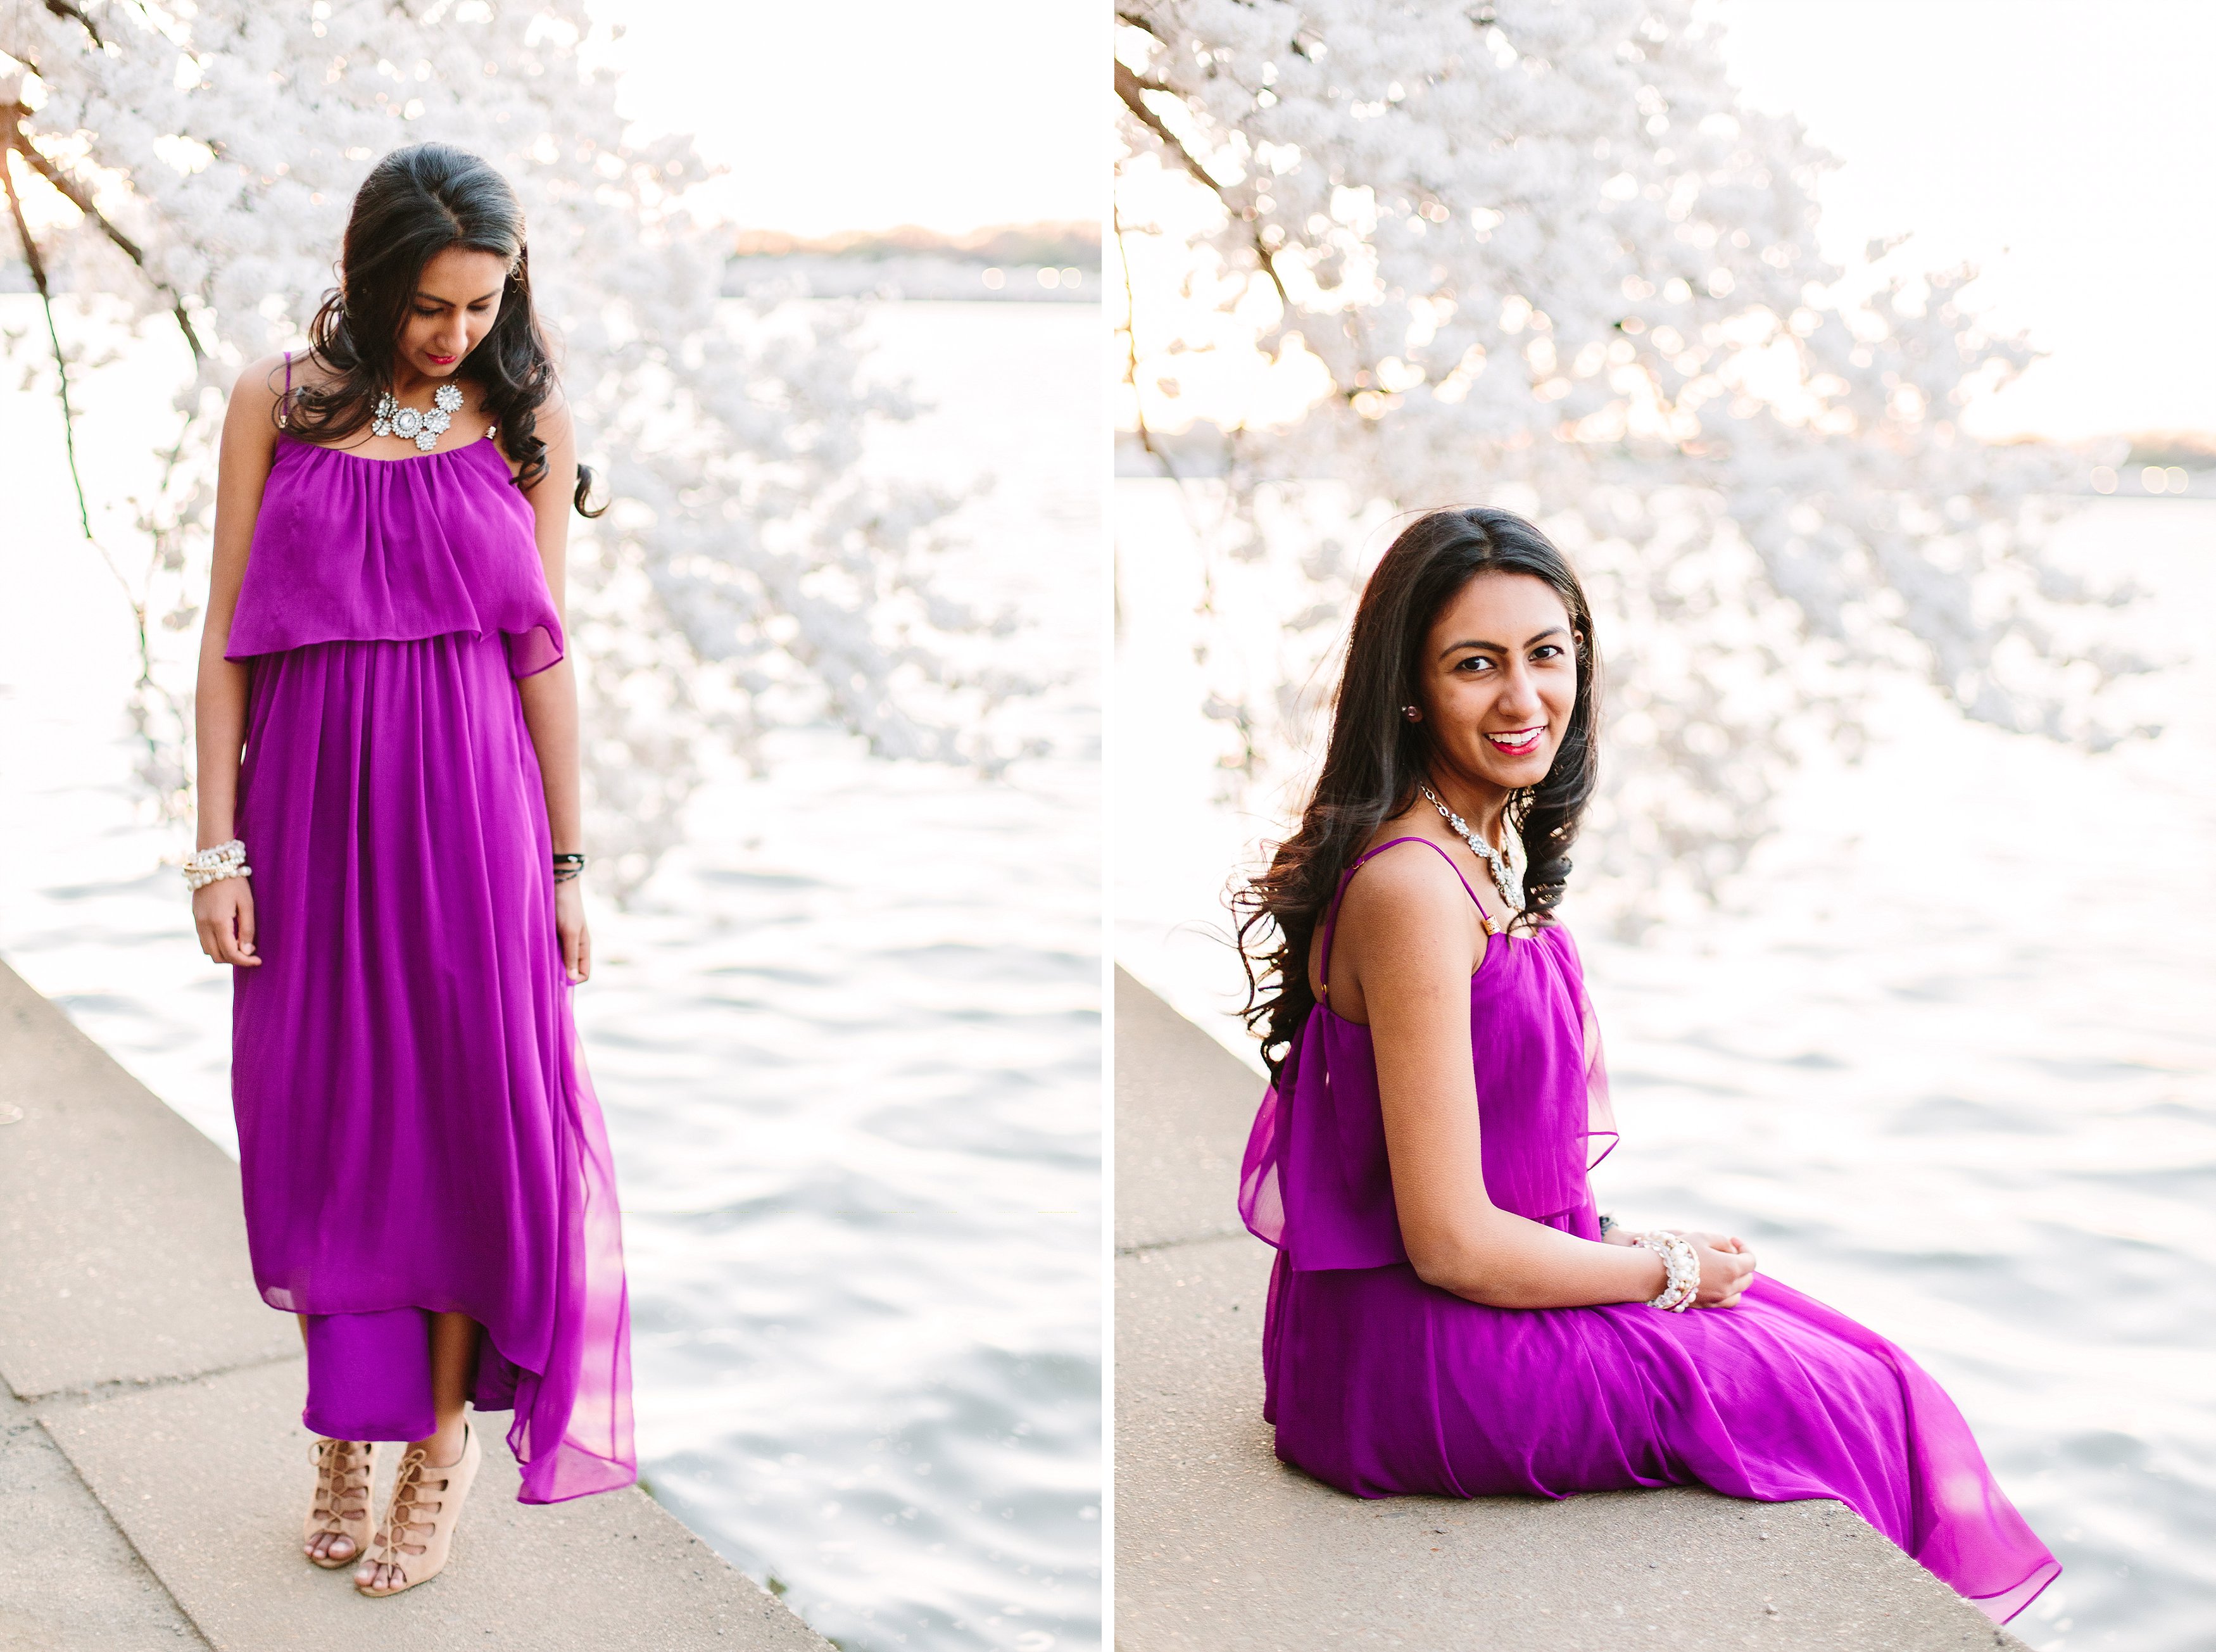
1411,877
260,383
550,419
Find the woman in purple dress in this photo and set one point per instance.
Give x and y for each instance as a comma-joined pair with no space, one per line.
387,731
1448,1314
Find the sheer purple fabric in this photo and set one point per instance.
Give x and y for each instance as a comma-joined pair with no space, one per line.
1381,1384
417,1131
348,549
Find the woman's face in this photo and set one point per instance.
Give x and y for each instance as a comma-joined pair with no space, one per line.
1500,678
457,300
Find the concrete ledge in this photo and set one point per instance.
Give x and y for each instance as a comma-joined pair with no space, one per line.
1219,1546
152,1458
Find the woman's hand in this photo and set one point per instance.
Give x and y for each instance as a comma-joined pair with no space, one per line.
223,914
1726,1266
570,926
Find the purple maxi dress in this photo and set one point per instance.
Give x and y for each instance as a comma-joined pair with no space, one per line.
416,1129
1381,1384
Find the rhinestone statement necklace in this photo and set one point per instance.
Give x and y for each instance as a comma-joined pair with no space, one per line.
1507,875
424,429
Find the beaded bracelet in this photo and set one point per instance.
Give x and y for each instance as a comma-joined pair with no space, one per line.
211,866
1682,1281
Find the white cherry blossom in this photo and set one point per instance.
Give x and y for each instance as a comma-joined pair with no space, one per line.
1539,253
751,572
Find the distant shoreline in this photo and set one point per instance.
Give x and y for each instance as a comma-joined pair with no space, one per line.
816,276
1022,263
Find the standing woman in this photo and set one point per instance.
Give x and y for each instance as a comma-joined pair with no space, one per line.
387,731
1448,1314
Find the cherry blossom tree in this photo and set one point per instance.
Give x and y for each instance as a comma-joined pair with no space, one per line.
1539,253
751,570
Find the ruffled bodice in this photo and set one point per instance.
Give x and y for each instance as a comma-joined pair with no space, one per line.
349,549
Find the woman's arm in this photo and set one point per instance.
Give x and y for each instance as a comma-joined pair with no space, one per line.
549,697
223,912
1412,940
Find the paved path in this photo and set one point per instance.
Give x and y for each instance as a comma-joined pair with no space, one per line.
1219,1548
153,1469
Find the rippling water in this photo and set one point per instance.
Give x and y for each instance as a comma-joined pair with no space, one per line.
1945,1058
848,1041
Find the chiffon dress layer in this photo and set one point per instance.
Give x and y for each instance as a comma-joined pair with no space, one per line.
417,1133
1382,1384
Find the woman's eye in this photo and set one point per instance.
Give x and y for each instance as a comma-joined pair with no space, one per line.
1475,663
1547,651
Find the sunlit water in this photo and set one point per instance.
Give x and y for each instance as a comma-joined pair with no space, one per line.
1946,1058
848,1040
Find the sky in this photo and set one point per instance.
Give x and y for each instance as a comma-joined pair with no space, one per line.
840,115
2063,149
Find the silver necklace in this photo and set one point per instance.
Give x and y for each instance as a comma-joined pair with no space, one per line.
424,429
1508,875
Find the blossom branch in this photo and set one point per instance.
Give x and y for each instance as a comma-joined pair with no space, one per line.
37,267
75,194
64,9
1132,90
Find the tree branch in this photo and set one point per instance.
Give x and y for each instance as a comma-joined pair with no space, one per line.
1131,354
64,9
1131,90
146,684
53,334
68,187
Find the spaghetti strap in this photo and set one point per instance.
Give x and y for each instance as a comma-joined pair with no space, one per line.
284,401
1331,916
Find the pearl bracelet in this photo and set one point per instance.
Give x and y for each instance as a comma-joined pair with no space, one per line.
206,866
1682,1282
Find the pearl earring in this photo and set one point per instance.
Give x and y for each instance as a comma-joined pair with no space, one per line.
1411,714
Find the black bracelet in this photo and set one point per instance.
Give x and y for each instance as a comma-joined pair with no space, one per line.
1606,1223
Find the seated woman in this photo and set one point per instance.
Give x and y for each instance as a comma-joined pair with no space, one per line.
1448,1312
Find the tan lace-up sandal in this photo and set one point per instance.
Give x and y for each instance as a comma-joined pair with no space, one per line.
343,1468
418,1532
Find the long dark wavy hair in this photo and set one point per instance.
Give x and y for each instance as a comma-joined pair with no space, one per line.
415,204
1377,757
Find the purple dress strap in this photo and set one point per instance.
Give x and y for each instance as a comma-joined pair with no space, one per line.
1331,913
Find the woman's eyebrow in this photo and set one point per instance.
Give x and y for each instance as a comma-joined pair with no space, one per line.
1498,648
448,304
